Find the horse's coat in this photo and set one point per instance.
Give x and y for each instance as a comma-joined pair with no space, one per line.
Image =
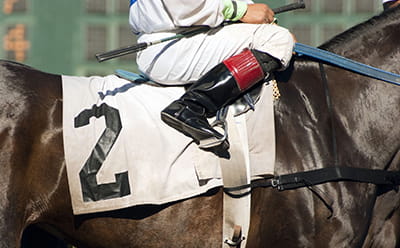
365,115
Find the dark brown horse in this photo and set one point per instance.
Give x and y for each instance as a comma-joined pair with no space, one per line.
361,129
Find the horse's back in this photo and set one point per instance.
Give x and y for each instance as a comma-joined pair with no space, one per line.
22,76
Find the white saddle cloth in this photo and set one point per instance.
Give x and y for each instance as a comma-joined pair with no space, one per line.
161,164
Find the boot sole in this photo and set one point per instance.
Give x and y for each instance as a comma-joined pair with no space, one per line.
188,130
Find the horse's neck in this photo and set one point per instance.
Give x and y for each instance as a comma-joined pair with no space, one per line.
301,119
363,114
374,42
364,111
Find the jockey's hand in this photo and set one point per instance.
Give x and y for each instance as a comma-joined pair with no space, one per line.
394,4
258,13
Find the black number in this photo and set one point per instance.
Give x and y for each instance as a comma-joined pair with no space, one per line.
90,189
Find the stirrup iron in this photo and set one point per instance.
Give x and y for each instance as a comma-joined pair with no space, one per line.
220,123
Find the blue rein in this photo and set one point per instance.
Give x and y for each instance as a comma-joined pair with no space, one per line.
348,64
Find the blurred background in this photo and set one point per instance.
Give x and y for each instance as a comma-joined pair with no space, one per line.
62,37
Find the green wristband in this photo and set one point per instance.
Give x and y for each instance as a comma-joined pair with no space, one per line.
234,10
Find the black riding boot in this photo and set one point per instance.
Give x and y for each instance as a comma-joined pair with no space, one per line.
217,88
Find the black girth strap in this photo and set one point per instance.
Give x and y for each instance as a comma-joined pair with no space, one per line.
332,174
324,175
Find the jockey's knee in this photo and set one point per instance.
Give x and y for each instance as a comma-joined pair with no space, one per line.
276,41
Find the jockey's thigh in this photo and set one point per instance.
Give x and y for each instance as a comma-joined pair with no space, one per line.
186,60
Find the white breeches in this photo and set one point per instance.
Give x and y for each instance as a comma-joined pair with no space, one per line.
186,60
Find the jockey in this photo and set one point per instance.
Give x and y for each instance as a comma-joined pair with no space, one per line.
220,64
390,3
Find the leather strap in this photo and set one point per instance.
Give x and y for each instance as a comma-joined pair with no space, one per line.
348,64
332,174
236,172
324,175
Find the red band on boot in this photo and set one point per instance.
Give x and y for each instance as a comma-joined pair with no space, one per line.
245,69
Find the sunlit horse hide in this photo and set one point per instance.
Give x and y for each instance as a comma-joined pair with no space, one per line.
120,154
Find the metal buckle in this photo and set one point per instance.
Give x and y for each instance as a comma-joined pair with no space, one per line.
275,182
237,237
233,243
